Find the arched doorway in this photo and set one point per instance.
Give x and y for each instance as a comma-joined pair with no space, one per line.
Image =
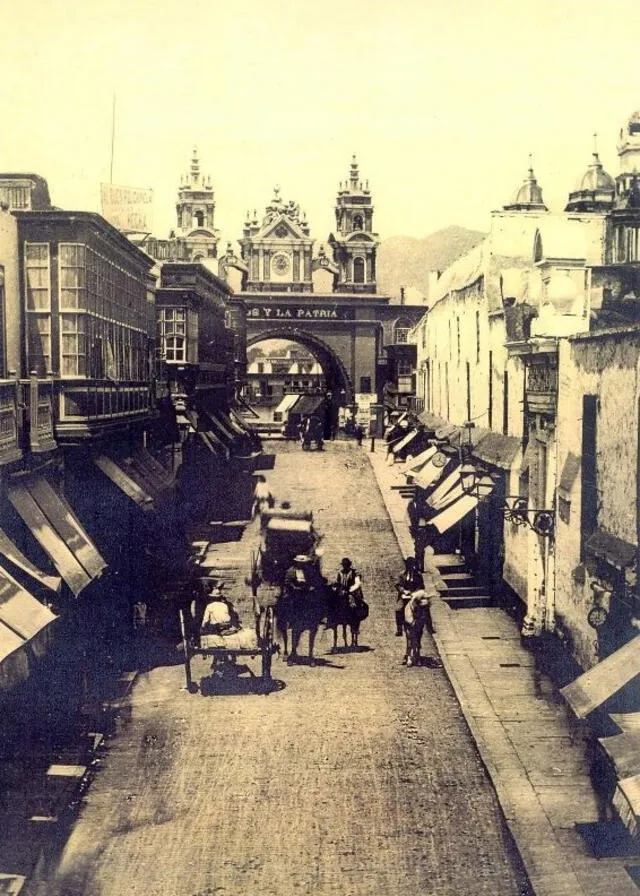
336,384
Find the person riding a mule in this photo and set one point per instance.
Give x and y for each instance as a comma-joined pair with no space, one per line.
302,604
348,608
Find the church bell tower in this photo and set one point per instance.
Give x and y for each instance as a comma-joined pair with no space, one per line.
195,212
354,243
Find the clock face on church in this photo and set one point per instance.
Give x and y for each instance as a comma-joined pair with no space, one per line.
280,263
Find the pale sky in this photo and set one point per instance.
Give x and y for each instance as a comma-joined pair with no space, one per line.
441,101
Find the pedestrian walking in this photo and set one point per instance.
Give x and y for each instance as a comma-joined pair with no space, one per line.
359,433
262,497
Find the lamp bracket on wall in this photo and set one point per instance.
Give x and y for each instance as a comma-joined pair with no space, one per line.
516,510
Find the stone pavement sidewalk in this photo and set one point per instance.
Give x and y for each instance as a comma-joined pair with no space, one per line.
534,753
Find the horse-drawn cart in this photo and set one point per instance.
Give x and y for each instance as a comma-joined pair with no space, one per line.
224,647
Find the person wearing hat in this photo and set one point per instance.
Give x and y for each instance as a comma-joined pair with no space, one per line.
297,577
348,582
220,616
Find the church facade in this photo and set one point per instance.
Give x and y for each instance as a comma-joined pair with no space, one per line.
326,298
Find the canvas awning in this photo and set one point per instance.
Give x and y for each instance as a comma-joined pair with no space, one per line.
405,440
451,515
308,404
626,802
217,425
497,449
413,464
590,690
57,530
444,488
24,625
455,512
624,752
124,482
613,550
22,613
431,470
9,550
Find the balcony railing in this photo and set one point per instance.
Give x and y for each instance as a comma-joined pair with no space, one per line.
542,388
91,403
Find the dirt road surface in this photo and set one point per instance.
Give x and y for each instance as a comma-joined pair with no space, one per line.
357,777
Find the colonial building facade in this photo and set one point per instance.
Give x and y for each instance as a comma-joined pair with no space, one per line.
530,349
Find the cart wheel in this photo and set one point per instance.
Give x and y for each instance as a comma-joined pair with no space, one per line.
267,644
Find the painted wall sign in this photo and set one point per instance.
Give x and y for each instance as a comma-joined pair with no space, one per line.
299,312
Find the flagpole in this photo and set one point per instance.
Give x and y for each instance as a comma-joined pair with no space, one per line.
113,136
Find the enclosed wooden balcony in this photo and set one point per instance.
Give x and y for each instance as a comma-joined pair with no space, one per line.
26,418
91,408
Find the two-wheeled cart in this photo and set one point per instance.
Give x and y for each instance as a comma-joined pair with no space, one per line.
225,647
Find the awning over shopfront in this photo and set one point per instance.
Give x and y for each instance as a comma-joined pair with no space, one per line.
308,404
22,613
440,495
496,449
223,424
431,421
57,530
14,662
624,752
455,512
614,551
413,464
592,688
405,441
626,802
245,404
124,482
431,470
9,550
244,426
24,624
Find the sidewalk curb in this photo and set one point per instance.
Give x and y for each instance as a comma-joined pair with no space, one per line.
543,881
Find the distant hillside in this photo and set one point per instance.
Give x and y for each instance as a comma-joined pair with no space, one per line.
406,261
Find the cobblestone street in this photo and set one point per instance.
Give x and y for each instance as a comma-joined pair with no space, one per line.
358,777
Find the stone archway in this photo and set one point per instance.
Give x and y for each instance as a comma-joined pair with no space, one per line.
339,384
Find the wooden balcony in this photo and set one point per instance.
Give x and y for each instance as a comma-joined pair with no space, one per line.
92,408
10,432
542,386
26,418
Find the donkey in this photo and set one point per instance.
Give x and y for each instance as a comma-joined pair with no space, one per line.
417,617
345,612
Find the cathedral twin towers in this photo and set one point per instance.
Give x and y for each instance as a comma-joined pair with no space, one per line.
276,251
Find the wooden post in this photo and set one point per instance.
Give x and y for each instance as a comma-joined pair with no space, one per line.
187,655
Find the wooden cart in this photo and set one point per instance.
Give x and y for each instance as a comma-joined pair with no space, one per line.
225,648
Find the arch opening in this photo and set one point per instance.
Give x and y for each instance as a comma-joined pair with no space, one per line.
295,362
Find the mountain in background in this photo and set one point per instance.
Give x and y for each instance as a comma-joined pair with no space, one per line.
407,261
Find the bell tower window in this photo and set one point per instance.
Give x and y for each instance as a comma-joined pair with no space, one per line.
358,222
199,219
358,270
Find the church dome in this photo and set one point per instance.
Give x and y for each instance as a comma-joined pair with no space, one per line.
528,197
595,177
595,190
